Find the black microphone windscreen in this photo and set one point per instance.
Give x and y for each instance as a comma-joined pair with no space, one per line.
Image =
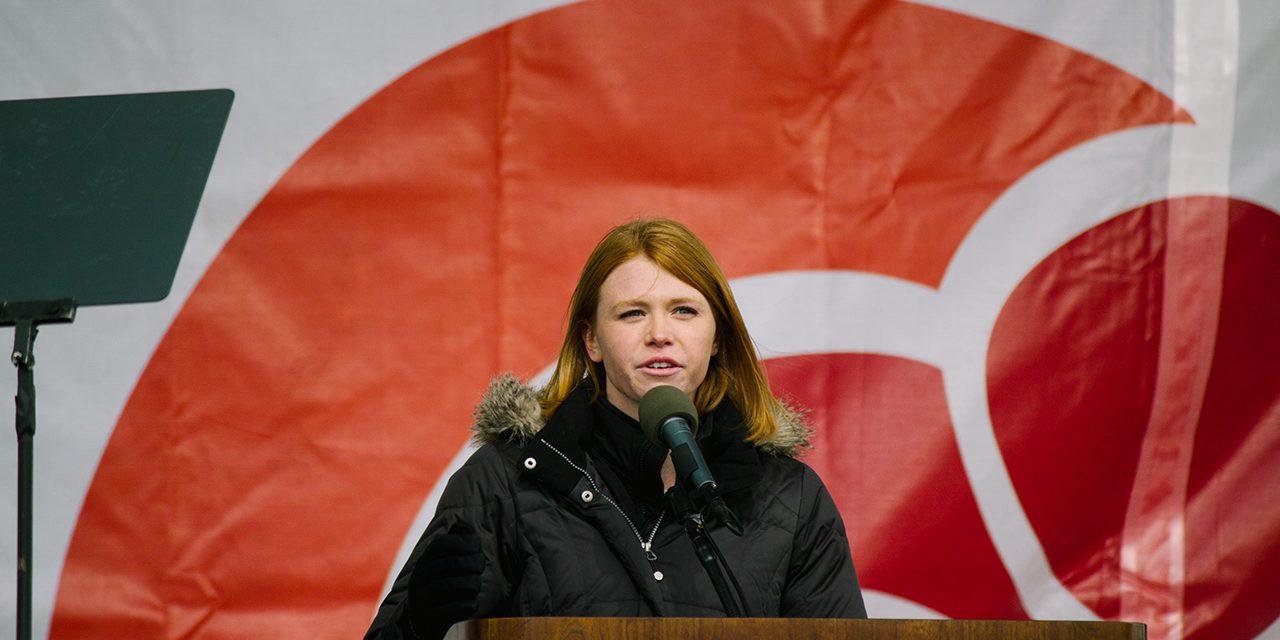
661,403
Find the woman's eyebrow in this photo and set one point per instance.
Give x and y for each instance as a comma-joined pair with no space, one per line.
693,301
621,304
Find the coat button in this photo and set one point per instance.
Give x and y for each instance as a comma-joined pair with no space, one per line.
530,463
587,496
657,575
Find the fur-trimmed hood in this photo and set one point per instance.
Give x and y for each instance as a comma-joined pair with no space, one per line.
510,410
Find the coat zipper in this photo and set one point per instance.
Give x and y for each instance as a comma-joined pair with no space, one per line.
646,545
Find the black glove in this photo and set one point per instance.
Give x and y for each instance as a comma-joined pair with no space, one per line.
446,582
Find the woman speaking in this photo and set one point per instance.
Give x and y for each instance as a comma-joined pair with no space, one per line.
568,509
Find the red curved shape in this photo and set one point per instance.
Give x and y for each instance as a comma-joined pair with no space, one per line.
1079,367
320,376
1069,401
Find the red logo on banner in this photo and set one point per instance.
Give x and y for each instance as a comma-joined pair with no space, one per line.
322,374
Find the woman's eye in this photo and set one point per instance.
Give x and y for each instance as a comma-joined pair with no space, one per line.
686,311
630,313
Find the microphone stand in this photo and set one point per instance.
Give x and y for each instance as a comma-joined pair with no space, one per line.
709,555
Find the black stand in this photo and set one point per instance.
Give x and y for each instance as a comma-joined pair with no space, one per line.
709,555
25,317
97,196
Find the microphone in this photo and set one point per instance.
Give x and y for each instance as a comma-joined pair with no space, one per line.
669,420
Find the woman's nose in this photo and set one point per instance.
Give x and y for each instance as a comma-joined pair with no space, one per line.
659,331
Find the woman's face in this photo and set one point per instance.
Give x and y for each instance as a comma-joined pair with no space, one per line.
650,329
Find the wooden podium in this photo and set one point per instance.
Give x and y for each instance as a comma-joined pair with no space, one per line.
788,629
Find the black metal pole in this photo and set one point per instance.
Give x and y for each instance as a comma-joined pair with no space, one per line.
708,555
24,536
696,529
25,424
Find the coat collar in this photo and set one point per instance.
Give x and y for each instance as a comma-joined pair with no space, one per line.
510,417
510,411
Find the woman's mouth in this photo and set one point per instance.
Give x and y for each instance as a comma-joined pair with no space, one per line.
661,367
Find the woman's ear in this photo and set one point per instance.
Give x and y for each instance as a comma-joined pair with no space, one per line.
589,341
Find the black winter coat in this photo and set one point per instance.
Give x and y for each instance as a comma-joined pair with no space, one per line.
554,543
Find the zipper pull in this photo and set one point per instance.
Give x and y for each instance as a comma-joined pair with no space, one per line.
649,553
